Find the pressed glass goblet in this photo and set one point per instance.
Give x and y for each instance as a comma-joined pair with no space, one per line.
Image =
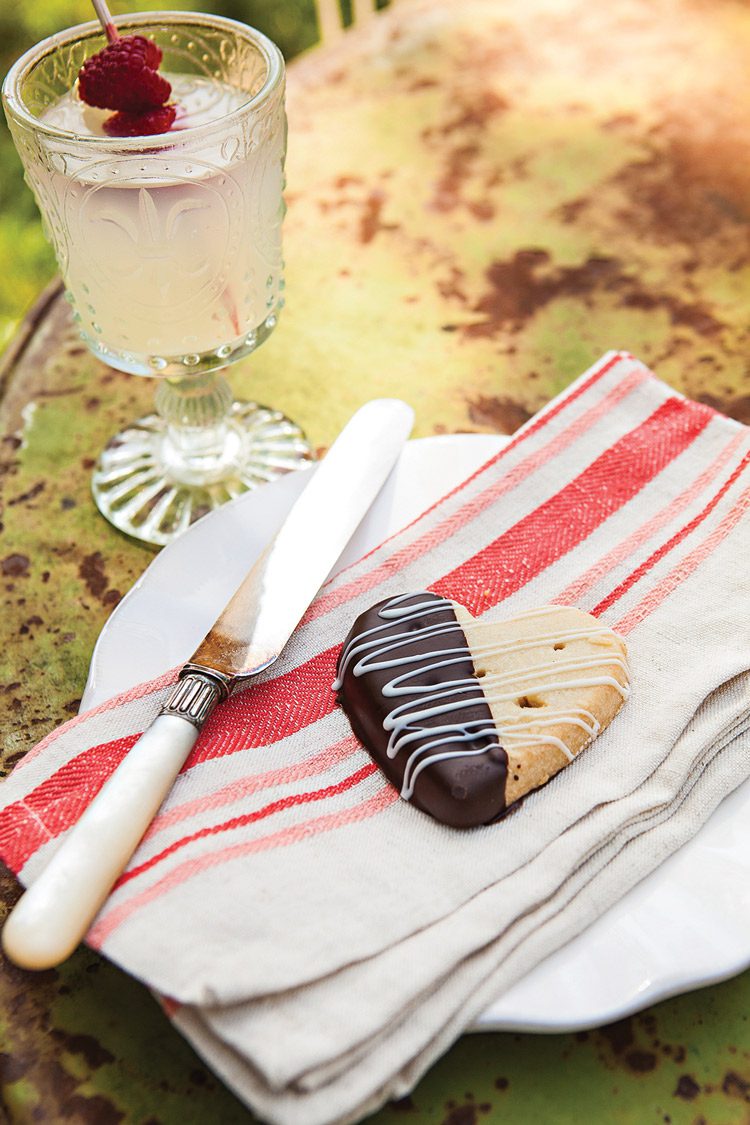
170,251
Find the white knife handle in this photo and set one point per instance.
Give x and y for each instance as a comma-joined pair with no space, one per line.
54,914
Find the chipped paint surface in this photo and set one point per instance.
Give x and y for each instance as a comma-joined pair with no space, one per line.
483,198
672,1064
505,191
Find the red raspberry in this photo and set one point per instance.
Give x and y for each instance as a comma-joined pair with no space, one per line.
157,120
123,76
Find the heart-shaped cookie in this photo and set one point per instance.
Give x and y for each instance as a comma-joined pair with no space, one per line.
466,717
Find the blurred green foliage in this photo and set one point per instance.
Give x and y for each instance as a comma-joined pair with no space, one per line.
26,260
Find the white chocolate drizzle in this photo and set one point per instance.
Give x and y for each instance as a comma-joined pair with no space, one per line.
371,650
377,648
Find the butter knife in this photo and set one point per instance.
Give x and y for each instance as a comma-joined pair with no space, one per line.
53,915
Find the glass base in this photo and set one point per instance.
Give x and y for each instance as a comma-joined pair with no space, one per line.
137,488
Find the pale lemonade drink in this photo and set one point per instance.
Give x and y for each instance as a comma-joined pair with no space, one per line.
169,245
169,254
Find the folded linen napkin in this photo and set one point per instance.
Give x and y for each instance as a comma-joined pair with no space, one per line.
320,941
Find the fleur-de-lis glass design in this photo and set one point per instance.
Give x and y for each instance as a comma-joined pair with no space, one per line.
170,250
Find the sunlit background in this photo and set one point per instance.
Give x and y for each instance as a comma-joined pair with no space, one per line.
25,257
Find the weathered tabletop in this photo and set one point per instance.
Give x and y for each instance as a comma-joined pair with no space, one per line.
482,199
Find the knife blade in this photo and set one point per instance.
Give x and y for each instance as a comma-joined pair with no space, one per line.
53,915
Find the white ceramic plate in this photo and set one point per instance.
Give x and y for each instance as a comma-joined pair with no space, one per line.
686,925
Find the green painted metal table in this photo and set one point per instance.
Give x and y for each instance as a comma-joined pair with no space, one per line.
481,201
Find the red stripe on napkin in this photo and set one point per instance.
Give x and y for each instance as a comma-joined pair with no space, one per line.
686,567
250,818
270,711
113,917
571,515
58,802
627,548
670,544
246,786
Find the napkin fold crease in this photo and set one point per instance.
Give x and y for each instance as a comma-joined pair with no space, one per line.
321,943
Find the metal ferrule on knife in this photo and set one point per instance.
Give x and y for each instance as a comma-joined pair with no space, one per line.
197,692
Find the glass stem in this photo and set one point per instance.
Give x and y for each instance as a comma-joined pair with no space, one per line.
199,439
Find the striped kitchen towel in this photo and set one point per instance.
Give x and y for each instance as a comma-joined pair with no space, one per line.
320,941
